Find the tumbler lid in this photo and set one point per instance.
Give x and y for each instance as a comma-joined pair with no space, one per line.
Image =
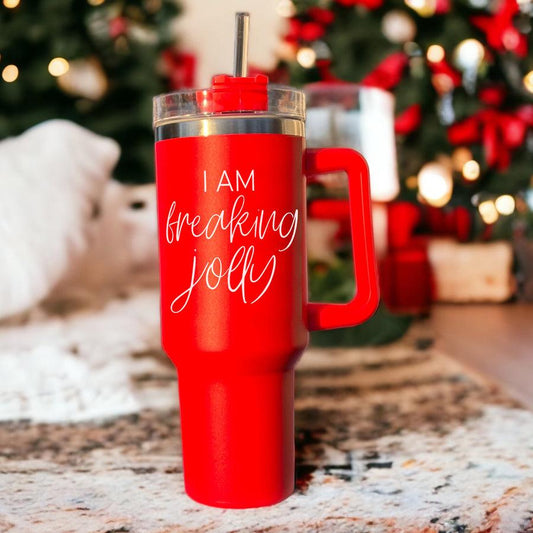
239,94
241,99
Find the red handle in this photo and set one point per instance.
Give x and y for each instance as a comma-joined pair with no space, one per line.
365,301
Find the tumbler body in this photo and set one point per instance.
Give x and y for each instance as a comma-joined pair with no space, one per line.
230,165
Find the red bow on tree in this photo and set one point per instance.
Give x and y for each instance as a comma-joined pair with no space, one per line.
442,7
388,73
499,133
408,120
500,31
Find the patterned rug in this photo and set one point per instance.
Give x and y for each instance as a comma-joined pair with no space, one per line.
392,439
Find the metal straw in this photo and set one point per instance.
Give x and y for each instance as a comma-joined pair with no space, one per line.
242,26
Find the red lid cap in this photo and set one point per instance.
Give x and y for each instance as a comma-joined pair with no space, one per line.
235,94
238,437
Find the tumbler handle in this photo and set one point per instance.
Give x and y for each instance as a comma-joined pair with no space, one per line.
365,301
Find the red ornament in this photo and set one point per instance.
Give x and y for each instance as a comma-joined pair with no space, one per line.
324,68
525,113
118,26
311,31
369,4
295,28
388,73
321,15
409,120
180,68
492,95
442,7
500,31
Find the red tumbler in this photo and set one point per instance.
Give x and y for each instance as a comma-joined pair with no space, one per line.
230,167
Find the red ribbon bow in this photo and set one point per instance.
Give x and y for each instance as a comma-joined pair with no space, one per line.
500,31
388,73
499,133
408,120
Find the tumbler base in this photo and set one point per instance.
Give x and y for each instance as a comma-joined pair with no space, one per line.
238,437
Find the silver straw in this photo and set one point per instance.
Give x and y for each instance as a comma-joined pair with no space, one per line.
242,26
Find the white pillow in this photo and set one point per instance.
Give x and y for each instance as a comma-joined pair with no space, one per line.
51,179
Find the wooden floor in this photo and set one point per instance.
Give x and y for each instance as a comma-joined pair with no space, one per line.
496,340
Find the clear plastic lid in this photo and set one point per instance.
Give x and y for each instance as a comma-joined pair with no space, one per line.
194,104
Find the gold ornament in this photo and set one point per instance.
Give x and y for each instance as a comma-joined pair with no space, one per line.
85,78
460,156
398,26
528,81
425,8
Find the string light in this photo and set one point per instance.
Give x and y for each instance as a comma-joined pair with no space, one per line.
488,212
471,170
528,81
505,204
10,4
10,73
306,57
285,8
435,53
58,66
435,184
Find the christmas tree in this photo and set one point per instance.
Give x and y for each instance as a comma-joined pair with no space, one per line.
462,76
95,62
